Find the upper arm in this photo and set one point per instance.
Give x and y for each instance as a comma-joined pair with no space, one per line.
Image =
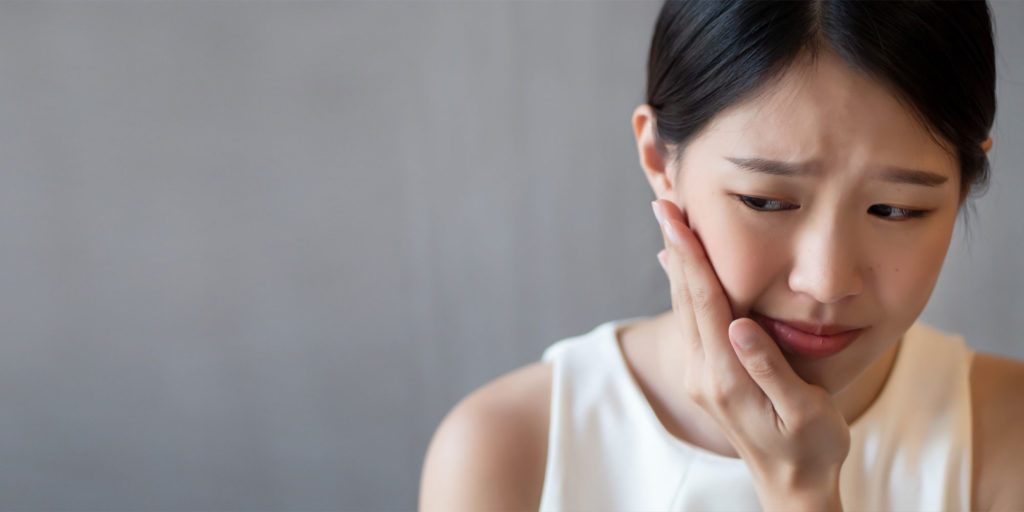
489,451
996,388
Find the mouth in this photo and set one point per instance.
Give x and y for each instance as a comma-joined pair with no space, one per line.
812,341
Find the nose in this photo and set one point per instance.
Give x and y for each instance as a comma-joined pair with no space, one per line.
827,264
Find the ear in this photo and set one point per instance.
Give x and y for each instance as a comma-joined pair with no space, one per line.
986,145
654,154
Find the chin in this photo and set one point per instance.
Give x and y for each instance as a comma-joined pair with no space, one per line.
825,373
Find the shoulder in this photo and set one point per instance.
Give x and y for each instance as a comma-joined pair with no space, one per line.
998,412
490,450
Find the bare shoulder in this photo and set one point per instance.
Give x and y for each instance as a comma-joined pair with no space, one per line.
489,451
996,386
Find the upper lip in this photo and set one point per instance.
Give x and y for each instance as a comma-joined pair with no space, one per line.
817,329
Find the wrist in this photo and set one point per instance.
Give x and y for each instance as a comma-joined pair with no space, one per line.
810,502
802,495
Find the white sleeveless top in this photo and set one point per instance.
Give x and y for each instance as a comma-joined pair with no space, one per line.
607,450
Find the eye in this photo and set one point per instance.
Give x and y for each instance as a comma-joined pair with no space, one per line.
765,205
884,211
895,213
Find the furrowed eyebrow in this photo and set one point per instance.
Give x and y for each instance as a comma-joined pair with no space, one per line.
913,177
771,166
890,174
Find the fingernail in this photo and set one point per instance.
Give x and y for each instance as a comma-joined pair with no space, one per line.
673,233
658,212
662,257
745,339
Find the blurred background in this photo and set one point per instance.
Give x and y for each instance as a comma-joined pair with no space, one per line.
254,251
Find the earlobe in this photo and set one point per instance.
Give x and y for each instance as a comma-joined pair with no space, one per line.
987,144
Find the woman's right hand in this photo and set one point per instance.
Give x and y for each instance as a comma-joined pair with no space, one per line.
788,432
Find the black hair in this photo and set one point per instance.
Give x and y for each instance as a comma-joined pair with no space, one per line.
937,57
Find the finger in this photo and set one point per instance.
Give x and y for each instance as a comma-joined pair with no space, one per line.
711,309
768,368
681,305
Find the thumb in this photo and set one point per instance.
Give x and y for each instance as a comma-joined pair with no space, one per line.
763,360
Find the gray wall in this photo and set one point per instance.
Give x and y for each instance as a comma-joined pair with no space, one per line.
253,251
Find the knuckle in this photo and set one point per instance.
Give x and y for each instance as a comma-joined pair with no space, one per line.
693,387
805,423
694,391
799,421
720,391
814,404
701,299
807,416
818,397
759,366
679,293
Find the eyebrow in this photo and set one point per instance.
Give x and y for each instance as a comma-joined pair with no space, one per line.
888,173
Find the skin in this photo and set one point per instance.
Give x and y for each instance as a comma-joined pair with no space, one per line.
829,256
788,431
831,260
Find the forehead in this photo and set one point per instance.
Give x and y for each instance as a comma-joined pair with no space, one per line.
828,113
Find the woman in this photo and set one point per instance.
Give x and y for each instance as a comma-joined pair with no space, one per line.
809,160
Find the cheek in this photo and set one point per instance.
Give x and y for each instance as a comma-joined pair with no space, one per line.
908,272
740,255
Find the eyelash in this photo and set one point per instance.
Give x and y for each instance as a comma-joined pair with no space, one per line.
904,213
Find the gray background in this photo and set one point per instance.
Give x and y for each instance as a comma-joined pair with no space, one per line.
253,251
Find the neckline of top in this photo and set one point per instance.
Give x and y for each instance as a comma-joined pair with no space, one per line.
608,333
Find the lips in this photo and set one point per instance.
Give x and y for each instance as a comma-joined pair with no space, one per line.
816,329
807,339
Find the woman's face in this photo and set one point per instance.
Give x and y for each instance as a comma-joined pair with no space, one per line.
840,247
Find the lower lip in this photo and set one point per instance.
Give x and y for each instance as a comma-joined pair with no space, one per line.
798,342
